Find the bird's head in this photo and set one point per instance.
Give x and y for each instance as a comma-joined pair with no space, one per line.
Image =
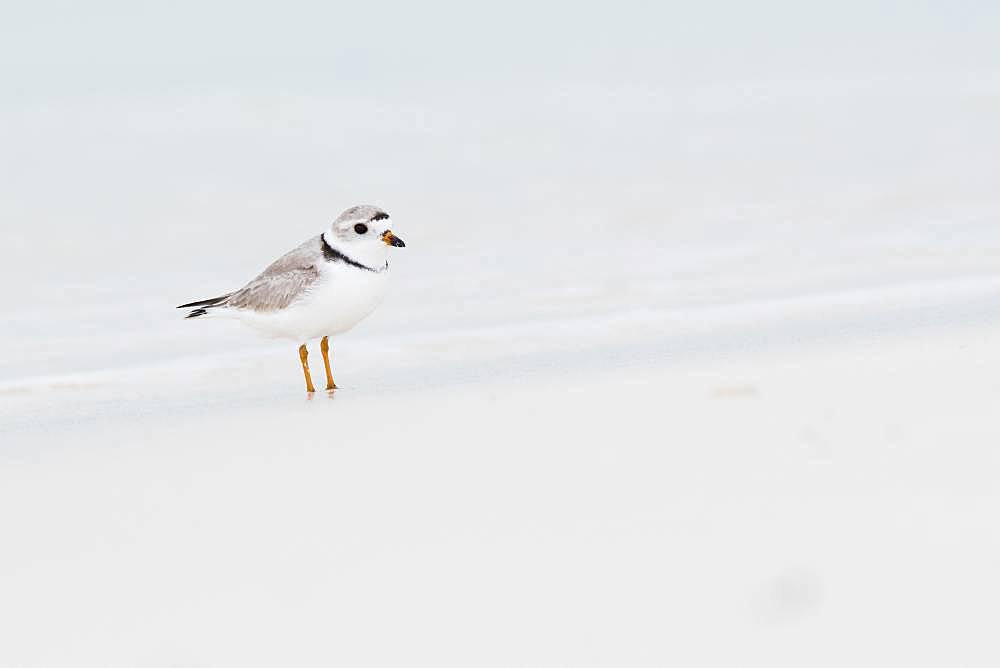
363,232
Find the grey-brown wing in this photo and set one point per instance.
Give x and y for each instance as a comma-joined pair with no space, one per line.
287,279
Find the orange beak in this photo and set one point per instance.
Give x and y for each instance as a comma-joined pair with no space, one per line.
391,239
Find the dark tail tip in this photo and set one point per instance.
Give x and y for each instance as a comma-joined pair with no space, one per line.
214,301
195,313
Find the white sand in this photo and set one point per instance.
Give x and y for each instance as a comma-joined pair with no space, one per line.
800,481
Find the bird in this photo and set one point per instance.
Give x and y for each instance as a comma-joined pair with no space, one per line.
323,287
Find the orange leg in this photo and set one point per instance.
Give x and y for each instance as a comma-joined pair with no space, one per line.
304,356
324,346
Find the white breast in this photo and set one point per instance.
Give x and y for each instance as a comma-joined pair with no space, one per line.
340,299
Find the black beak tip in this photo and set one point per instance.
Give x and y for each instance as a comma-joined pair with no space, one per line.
398,243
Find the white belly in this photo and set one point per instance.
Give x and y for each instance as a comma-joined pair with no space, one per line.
343,297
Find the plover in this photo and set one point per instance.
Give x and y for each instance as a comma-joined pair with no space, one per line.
324,287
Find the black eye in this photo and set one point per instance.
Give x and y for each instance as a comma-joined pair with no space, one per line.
360,228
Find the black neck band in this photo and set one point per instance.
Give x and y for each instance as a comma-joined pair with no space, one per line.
331,254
